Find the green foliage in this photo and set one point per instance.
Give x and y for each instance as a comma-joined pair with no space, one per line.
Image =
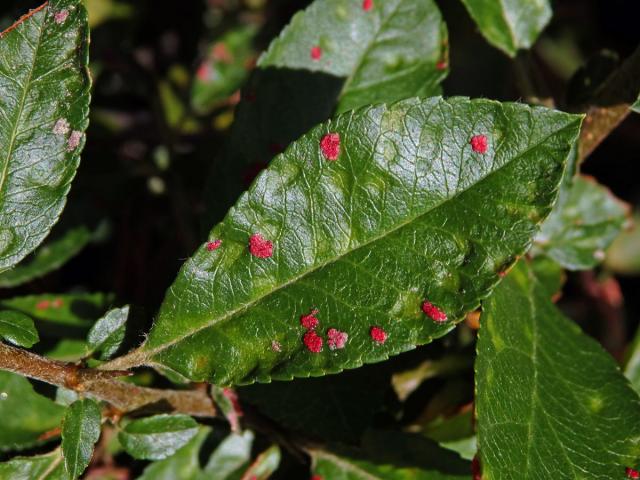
40,467
107,333
510,26
80,432
369,237
25,414
42,62
377,216
548,396
583,224
18,328
157,437
224,69
396,50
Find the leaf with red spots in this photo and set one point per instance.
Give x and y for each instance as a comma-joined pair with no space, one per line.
44,107
224,68
547,395
390,456
408,212
584,222
334,56
510,26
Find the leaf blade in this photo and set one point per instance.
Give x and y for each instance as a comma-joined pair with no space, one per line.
157,437
80,432
510,26
570,409
25,414
36,118
108,333
337,246
18,328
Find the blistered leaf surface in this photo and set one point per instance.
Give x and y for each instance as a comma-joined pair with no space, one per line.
44,110
408,212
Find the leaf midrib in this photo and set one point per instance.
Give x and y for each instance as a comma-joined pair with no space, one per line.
26,88
143,354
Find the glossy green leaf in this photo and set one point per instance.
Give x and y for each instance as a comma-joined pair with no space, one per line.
225,68
157,437
550,402
582,225
25,414
182,465
80,432
510,26
264,465
407,212
44,110
107,333
346,403
40,467
48,257
394,50
18,328
229,458
391,456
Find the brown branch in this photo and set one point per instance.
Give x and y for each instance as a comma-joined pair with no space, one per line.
102,385
610,105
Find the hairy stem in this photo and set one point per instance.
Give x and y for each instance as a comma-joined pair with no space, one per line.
102,385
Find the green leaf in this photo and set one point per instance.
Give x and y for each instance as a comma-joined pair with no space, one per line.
264,465
157,437
80,432
510,26
636,106
18,328
107,333
396,50
76,311
549,273
391,456
392,51
25,414
548,397
346,403
224,70
407,212
229,457
454,433
582,225
44,110
48,257
182,465
40,467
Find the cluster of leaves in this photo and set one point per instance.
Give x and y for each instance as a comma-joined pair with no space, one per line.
383,216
